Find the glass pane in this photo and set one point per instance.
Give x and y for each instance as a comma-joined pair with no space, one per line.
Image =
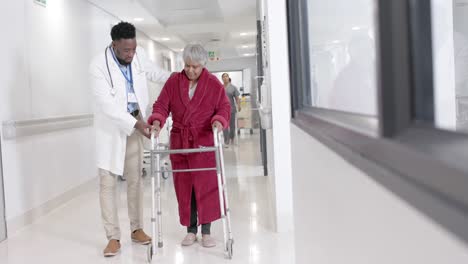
342,56
450,51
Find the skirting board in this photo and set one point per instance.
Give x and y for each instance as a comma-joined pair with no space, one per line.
19,222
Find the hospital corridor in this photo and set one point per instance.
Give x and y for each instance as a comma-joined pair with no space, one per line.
234,131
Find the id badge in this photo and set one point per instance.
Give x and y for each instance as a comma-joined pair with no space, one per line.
132,98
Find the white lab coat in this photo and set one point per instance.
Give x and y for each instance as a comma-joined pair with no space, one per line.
112,122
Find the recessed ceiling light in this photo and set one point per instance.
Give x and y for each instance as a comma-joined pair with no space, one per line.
138,19
248,54
356,28
244,34
165,39
245,46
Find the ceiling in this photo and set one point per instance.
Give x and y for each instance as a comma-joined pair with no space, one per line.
227,27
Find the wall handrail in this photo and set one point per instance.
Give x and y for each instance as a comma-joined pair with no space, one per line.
22,128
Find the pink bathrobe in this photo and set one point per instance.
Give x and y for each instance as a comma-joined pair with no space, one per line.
192,128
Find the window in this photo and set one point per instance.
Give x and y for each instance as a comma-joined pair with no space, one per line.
333,62
411,76
342,56
450,42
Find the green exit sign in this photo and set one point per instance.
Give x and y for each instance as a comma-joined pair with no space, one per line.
41,2
213,56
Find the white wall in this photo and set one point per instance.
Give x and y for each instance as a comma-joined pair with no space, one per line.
157,52
44,75
10,84
279,138
233,64
346,217
15,99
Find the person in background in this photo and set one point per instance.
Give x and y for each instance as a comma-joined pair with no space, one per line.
233,94
198,102
119,82
360,72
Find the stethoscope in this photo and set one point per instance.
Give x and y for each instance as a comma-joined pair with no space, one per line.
112,89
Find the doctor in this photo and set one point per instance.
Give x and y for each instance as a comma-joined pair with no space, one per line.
119,82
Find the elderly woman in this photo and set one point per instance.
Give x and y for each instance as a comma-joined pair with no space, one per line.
198,102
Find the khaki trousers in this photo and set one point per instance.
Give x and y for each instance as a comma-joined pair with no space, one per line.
108,190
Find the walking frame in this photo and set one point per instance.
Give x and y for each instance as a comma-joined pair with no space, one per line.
157,150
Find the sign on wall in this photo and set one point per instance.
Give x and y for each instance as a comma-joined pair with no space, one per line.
212,56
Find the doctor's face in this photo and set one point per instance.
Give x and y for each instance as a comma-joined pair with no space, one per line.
125,50
193,69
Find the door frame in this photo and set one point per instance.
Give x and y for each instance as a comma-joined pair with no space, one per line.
3,226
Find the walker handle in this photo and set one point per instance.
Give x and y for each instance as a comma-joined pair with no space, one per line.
218,136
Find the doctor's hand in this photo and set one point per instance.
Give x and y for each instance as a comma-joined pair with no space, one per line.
143,128
156,128
218,125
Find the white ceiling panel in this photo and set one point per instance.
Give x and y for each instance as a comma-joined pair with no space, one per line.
238,8
216,24
176,12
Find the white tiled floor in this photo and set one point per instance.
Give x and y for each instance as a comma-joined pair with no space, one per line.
73,233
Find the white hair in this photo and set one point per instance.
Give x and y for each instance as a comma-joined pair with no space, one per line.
195,53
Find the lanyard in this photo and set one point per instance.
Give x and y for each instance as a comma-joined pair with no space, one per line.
129,75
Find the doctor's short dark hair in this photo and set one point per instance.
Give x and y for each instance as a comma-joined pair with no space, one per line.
123,30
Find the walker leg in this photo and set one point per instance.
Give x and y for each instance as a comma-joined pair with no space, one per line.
229,248
223,199
158,195
149,253
152,246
